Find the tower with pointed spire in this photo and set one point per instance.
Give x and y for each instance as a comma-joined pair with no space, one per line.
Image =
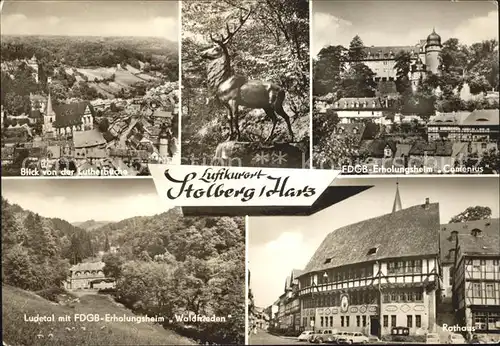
432,51
49,117
397,206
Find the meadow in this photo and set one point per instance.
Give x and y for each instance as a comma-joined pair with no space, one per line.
16,303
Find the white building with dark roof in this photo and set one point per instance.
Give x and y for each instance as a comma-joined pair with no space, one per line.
351,109
375,275
88,275
480,125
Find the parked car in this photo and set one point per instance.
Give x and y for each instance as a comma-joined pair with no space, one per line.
353,338
480,339
335,337
306,334
456,339
432,338
322,336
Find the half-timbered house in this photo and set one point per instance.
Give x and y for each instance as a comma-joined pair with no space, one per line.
476,276
375,275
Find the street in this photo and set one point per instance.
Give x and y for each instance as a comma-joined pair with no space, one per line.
264,338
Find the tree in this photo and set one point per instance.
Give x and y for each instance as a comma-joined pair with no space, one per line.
113,265
490,161
402,66
106,244
358,81
327,70
356,49
472,214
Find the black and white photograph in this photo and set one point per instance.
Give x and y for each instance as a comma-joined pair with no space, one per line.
401,88
107,262
89,88
246,83
408,260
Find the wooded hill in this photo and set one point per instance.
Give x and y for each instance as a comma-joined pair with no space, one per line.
166,264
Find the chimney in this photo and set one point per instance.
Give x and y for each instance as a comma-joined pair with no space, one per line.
426,206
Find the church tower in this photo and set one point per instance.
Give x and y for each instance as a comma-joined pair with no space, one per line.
397,206
49,117
432,50
163,137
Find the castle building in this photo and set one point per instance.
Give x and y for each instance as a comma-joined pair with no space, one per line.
476,275
424,59
375,275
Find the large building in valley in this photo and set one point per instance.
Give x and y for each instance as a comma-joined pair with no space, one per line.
375,275
476,275
88,275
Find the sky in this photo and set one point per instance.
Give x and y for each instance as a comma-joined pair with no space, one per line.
78,200
91,18
279,244
401,23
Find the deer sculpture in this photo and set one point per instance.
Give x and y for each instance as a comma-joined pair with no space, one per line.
233,90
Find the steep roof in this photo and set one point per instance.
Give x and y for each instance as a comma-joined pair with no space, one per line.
433,148
355,129
376,147
350,102
386,52
87,266
159,113
483,117
454,118
89,138
402,149
412,231
70,114
489,227
487,243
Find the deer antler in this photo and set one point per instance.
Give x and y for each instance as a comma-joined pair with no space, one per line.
224,40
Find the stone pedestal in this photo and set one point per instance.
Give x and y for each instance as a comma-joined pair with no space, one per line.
255,154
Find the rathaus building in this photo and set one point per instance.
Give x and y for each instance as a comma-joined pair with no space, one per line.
375,275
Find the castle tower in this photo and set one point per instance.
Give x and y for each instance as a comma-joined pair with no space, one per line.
49,117
432,50
397,206
163,137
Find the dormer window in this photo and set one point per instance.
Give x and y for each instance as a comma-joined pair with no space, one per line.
328,260
372,251
476,232
454,235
